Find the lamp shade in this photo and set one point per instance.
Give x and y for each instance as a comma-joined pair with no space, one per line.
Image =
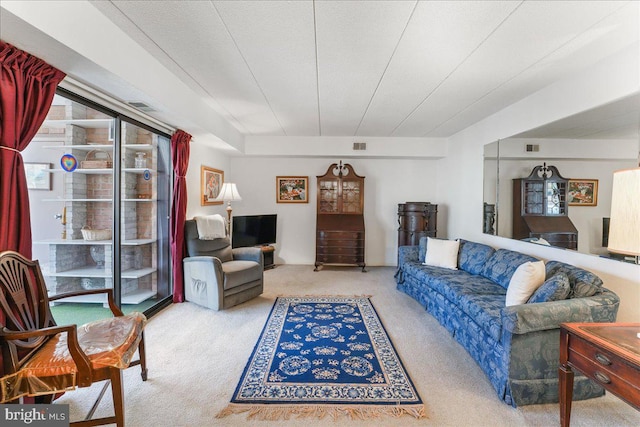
624,226
229,192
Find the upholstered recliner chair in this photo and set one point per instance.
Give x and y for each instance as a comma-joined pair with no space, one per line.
216,276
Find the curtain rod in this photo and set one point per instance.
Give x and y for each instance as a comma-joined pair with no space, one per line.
110,102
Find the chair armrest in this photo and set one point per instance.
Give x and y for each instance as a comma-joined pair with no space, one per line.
248,254
84,375
204,281
520,319
112,305
10,335
215,261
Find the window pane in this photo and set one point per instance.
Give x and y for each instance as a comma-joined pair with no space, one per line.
144,197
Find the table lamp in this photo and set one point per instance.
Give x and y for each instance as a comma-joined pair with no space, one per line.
228,193
624,225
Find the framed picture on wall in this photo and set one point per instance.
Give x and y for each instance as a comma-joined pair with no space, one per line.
583,192
210,184
292,189
38,176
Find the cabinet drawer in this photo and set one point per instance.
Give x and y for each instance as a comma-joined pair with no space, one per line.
605,378
340,259
333,235
331,250
601,359
340,243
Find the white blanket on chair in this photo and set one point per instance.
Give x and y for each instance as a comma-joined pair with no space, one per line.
210,227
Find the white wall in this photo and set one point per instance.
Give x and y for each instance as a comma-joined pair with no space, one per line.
202,154
387,183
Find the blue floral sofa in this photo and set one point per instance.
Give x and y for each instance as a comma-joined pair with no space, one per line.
516,346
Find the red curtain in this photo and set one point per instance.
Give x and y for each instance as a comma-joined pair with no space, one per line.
27,86
180,156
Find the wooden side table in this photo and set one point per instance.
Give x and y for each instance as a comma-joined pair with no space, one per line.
267,253
607,353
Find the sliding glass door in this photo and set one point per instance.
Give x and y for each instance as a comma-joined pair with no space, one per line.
99,190
144,214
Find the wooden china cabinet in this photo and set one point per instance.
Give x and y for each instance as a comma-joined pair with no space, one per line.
541,209
340,219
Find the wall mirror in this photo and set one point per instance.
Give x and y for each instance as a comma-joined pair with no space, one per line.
586,148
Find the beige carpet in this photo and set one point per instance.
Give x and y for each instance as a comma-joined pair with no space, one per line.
196,357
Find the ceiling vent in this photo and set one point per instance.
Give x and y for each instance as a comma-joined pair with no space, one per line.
359,146
533,148
141,106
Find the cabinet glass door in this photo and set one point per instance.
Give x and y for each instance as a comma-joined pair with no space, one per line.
328,196
533,198
351,197
556,203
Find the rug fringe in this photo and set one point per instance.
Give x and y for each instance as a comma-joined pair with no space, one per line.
276,412
323,296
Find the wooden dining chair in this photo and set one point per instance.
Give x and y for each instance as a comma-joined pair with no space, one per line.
43,359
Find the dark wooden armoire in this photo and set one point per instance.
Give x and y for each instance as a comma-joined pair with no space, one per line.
340,219
416,220
541,209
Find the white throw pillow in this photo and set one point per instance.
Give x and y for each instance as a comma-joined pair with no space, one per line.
442,253
527,278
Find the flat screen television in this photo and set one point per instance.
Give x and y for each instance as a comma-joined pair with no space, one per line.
253,230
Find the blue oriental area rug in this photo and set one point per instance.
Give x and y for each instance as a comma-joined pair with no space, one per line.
323,356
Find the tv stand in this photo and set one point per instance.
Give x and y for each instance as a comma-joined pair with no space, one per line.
267,253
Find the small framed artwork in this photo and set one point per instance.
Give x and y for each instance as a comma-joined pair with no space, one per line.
38,176
292,189
583,192
210,184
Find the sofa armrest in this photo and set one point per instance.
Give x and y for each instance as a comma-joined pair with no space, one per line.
406,254
249,254
520,319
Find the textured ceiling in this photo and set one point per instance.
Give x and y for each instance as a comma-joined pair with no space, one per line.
617,120
372,68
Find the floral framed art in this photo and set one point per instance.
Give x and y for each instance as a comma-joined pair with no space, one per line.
583,192
210,184
292,189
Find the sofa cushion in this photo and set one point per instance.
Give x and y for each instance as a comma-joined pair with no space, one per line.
527,278
422,248
430,276
452,287
238,273
473,256
555,288
502,264
442,253
583,283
